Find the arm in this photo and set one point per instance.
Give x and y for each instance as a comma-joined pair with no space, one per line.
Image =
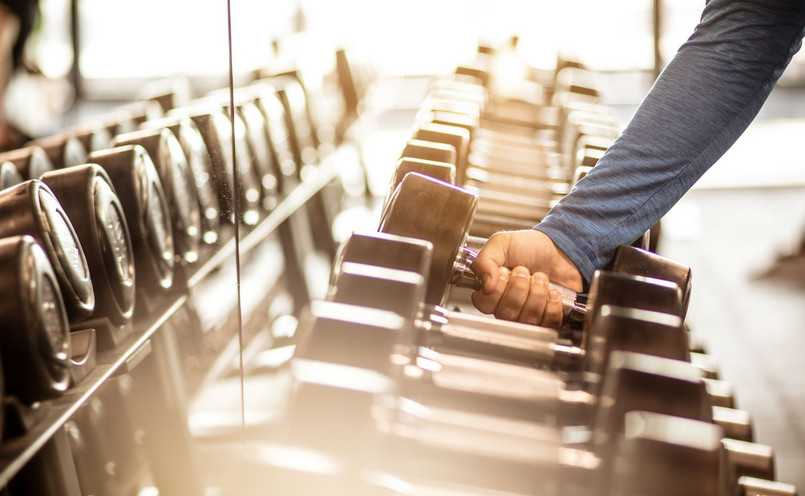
704,99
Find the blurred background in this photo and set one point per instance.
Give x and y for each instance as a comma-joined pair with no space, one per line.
739,228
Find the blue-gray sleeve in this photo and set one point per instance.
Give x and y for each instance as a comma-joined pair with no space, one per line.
701,103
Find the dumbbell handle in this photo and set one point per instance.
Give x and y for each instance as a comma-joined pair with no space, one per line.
464,277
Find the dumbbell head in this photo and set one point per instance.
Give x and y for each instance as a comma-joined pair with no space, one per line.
330,408
397,291
9,176
352,335
627,290
384,250
93,136
198,160
662,455
31,208
87,195
616,328
137,184
34,339
441,213
631,260
429,150
438,170
62,150
30,161
636,381
178,183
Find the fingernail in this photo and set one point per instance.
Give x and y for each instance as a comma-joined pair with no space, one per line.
540,278
503,274
554,294
521,272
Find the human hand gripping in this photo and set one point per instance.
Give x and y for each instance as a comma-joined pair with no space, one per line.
515,268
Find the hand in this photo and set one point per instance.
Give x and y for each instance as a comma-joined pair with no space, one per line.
515,267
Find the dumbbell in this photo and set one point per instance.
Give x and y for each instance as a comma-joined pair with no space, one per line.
179,186
425,208
90,201
435,423
247,105
9,175
215,127
363,256
34,342
136,181
400,291
63,150
482,386
93,135
279,142
30,161
31,208
198,160
301,129
680,456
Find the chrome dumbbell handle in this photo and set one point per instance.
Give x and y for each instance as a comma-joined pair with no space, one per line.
464,277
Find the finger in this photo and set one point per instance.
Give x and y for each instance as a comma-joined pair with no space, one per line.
515,294
487,302
554,311
489,260
535,304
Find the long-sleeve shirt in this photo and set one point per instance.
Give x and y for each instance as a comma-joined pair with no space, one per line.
702,102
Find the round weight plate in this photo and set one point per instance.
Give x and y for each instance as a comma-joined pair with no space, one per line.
9,176
34,336
86,195
115,245
425,208
72,265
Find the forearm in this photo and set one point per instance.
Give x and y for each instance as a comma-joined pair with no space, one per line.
702,102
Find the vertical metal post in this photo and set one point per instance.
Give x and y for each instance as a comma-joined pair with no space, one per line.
75,71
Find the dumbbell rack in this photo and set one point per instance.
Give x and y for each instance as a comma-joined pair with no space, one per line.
43,424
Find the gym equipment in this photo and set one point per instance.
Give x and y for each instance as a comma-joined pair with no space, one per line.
34,342
63,150
198,160
30,161
137,184
90,201
32,208
425,208
179,185
9,176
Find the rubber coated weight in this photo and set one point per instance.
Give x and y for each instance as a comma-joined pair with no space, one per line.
30,161
435,211
89,199
179,185
9,176
62,150
198,160
34,339
32,208
136,181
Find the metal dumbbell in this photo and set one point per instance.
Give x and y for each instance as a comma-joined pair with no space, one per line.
89,199
34,342
425,208
9,175
198,160
179,186
32,208
30,161
136,181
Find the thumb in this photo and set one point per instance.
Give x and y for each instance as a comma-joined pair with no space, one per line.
488,262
